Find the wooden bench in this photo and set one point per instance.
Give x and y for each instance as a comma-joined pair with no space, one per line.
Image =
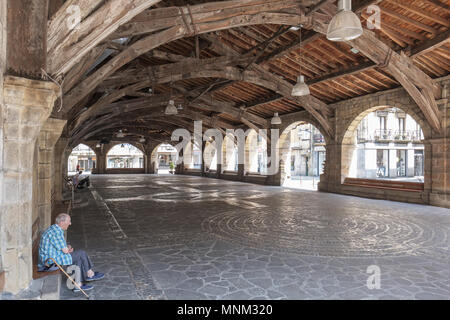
385,184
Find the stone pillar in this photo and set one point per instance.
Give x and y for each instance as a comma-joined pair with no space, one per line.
50,133
60,154
26,106
149,158
203,165
179,169
438,172
101,159
337,166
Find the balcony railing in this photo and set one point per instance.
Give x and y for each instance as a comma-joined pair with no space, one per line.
387,135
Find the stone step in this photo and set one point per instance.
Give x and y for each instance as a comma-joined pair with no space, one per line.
51,287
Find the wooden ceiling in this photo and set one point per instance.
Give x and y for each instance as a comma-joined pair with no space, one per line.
333,70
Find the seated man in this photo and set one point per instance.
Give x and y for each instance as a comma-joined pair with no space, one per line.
53,245
79,180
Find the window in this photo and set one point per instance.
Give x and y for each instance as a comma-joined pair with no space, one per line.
401,124
382,163
382,122
401,163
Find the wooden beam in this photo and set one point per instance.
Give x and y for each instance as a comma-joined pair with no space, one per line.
68,44
421,12
25,37
155,40
431,44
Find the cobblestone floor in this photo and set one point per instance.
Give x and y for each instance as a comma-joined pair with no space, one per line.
180,237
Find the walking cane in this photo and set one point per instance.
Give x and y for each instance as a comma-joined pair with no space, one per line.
73,281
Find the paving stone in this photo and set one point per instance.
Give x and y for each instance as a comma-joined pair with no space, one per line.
179,294
191,284
238,295
213,290
264,282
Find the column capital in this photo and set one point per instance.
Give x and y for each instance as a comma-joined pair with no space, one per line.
52,129
29,93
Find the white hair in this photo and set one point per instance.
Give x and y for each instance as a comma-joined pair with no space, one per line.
61,218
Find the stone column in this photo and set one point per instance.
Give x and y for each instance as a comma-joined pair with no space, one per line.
337,166
203,165
438,172
60,154
26,106
101,159
50,133
149,158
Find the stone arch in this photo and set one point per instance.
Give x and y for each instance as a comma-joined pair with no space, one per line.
154,164
284,142
229,153
69,151
347,137
349,127
113,144
210,156
252,145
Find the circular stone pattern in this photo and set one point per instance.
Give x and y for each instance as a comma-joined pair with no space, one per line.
334,234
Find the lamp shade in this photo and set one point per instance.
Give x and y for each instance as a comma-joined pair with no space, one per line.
345,25
276,119
171,109
142,140
300,88
120,134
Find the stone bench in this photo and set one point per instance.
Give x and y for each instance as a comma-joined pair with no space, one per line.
385,184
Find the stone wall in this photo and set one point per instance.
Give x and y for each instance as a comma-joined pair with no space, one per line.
26,106
3,37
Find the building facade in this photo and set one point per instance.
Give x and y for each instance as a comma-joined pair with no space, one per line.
83,158
125,155
307,151
389,146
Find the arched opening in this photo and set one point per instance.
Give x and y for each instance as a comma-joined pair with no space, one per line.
82,158
256,153
230,158
386,144
210,156
164,159
303,154
125,156
192,156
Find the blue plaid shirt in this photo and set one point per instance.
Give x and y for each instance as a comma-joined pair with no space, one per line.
51,245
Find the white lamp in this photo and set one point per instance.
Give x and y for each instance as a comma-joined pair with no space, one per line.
276,119
171,109
120,134
300,88
142,140
345,25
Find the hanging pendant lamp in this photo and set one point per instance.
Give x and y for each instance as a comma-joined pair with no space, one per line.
345,25
276,119
171,109
120,134
300,88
